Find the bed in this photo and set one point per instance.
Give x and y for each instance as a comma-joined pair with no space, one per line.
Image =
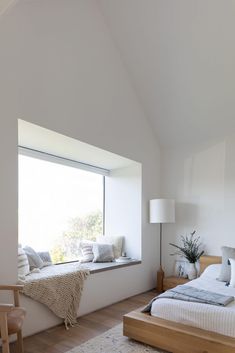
209,337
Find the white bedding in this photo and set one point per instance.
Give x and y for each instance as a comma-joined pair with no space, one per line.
204,316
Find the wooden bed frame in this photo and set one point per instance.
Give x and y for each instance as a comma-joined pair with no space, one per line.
174,337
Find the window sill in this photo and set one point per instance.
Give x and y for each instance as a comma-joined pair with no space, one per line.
61,269
96,267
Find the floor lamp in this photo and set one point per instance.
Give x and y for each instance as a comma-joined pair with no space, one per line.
161,211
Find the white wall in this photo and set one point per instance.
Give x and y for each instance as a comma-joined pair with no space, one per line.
180,55
59,69
123,207
202,180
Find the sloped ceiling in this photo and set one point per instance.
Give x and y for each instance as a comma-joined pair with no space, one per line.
5,4
180,55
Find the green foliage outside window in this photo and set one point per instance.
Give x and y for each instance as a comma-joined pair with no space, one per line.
80,228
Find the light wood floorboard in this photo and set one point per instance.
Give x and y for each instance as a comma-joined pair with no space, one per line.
59,340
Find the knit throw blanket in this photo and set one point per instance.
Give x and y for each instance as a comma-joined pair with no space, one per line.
59,288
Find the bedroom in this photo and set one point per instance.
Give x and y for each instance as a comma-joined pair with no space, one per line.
157,89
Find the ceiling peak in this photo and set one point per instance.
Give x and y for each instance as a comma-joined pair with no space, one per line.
6,4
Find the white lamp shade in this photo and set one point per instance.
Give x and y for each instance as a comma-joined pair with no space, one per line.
162,211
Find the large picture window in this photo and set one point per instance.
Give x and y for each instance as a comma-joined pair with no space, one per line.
59,205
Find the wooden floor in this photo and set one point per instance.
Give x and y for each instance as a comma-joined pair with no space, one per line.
58,340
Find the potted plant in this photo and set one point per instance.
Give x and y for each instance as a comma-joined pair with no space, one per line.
190,249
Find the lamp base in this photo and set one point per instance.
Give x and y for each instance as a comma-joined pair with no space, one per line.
160,276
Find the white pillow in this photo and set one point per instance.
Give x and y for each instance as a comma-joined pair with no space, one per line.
227,253
87,251
23,263
116,241
232,279
211,271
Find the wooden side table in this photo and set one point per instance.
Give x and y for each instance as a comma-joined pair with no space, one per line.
172,281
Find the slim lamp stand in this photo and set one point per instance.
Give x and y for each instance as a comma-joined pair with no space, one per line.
160,272
161,211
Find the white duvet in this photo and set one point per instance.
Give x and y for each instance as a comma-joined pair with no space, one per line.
204,316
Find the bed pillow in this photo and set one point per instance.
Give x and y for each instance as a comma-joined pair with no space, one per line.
116,241
103,252
34,259
211,271
23,263
225,271
86,248
232,279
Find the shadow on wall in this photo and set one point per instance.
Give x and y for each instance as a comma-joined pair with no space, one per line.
203,184
204,177
187,213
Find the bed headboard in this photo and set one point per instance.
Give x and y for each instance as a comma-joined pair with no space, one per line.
207,260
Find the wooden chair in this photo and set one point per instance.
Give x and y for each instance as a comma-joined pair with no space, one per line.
11,320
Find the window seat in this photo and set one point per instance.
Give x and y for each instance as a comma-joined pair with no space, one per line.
60,287
60,269
95,294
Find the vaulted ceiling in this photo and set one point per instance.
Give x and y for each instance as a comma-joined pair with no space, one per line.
180,55
180,58
5,4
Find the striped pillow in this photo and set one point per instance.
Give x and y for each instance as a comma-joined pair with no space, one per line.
87,251
23,263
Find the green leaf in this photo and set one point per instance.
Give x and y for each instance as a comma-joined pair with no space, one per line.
190,248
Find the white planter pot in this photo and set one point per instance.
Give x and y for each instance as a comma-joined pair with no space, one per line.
192,272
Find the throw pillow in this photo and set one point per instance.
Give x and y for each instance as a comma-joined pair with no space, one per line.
46,258
232,280
225,272
103,252
87,252
34,259
116,241
23,263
